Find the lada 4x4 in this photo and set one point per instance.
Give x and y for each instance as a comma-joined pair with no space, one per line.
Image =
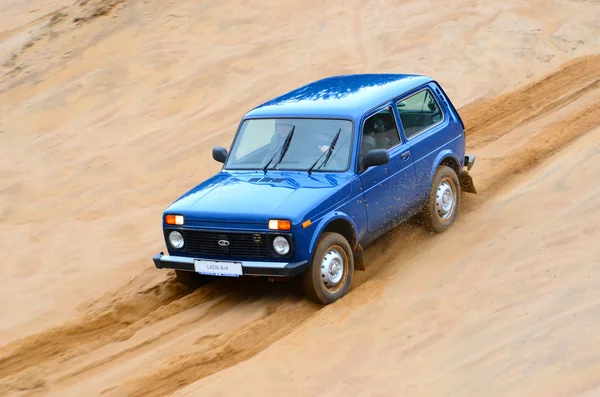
314,176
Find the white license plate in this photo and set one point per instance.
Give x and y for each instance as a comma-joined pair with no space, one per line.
218,268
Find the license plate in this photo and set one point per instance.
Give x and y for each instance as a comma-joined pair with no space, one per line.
218,268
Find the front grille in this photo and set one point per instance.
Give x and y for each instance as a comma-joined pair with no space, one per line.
249,245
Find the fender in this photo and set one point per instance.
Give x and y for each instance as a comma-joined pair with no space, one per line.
323,223
443,155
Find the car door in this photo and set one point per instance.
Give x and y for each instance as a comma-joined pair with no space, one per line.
428,129
389,189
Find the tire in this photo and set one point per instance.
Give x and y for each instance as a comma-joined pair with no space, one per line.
191,280
436,215
325,288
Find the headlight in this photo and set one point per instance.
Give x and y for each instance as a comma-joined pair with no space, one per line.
176,239
281,245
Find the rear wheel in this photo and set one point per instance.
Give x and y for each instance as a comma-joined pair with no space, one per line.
329,275
442,206
192,279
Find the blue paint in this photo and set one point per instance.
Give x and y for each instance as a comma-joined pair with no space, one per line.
242,198
348,96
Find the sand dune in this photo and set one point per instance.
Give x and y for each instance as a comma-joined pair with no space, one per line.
109,110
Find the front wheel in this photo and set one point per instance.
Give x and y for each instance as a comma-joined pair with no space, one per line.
441,208
329,275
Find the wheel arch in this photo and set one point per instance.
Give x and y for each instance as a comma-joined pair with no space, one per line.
448,158
337,222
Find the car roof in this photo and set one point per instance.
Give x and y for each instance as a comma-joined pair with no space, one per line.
343,96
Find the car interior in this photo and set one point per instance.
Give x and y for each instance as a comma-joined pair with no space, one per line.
418,112
379,132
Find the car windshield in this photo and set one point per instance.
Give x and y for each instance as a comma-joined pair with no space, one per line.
262,140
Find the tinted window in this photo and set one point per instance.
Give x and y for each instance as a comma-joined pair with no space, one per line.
380,132
261,140
418,112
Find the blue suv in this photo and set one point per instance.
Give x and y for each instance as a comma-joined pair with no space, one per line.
314,176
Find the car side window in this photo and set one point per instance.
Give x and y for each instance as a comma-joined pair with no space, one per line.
418,112
379,132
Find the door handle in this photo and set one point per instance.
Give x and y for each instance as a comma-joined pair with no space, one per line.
405,155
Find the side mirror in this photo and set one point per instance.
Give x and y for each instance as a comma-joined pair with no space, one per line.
375,157
219,154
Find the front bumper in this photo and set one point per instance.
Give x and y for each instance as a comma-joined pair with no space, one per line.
249,268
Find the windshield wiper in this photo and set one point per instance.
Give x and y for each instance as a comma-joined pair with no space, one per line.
284,147
328,152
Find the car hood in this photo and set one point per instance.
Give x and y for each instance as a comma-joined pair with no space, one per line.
256,197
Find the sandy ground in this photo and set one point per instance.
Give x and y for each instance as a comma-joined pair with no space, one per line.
109,110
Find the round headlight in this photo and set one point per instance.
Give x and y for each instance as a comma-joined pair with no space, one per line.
176,239
281,245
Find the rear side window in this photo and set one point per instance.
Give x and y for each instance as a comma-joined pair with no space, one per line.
419,112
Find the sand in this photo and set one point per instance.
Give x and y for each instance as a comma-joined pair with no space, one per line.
109,111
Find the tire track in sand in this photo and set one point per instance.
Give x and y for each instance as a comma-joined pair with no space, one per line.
486,122
115,322
223,352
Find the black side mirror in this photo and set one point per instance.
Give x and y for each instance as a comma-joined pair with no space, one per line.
219,154
375,157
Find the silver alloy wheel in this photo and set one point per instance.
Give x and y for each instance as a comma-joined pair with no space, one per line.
333,268
445,200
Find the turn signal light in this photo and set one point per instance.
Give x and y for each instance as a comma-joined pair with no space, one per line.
278,224
174,219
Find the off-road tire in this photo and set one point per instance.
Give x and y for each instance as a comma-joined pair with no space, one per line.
334,246
429,216
192,280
